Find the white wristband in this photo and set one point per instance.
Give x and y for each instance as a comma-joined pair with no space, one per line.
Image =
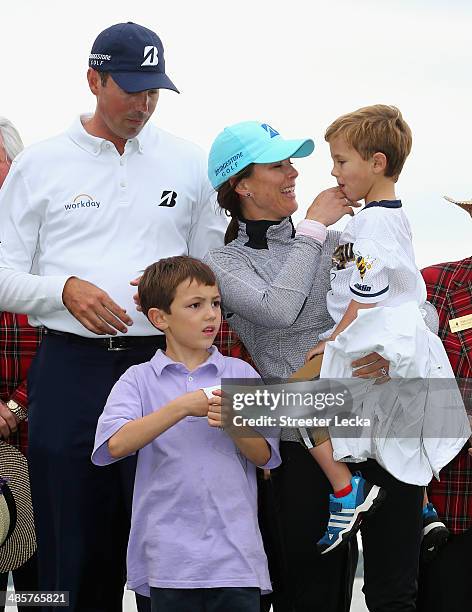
208,391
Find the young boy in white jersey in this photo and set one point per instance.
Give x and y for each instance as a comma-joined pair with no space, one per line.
374,265
194,542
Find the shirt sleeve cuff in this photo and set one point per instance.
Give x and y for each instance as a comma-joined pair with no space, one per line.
54,288
275,459
360,295
312,229
101,455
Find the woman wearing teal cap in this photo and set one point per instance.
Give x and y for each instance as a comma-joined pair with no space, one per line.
274,280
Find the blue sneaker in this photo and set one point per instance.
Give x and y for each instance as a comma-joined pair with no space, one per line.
346,513
435,534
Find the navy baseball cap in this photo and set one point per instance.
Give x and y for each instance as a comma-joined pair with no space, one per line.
133,55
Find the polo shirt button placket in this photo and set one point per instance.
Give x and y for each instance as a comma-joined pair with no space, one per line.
123,177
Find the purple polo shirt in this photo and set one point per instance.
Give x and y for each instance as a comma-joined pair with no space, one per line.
194,522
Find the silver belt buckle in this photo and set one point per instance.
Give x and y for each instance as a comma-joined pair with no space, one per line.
110,346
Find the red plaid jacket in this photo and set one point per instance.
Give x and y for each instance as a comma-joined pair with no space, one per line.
18,344
230,345
449,288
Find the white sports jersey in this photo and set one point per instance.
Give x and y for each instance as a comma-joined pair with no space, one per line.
375,264
375,261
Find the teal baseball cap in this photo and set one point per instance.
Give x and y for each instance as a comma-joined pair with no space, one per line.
250,142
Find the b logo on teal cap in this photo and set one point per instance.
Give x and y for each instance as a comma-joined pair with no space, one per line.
270,130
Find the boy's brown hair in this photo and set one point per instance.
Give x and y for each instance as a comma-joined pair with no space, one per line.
374,129
160,280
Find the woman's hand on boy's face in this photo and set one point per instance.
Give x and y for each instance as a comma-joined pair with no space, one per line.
330,206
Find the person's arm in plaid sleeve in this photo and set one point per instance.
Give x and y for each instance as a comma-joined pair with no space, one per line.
19,343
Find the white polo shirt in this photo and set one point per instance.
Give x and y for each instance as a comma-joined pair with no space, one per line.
72,206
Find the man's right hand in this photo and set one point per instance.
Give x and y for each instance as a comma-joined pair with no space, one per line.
330,206
94,308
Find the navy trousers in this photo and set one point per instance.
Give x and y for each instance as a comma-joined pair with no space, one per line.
82,512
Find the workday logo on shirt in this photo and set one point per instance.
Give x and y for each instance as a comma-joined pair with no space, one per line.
82,201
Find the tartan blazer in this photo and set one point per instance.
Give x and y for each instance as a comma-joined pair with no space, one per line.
18,344
229,344
449,287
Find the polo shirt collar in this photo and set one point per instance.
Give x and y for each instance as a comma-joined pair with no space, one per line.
384,204
215,360
94,144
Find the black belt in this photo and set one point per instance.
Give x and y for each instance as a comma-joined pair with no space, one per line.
113,343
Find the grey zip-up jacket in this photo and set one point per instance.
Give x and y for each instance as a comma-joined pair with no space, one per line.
273,286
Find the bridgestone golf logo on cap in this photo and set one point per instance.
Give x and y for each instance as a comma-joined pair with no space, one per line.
97,59
229,162
151,56
270,130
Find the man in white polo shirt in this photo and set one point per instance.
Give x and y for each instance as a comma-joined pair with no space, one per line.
81,215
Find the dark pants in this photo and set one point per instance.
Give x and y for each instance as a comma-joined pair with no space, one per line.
82,512
293,517
25,578
391,540
445,584
228,599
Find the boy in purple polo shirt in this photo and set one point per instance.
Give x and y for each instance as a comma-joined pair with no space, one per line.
194,542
